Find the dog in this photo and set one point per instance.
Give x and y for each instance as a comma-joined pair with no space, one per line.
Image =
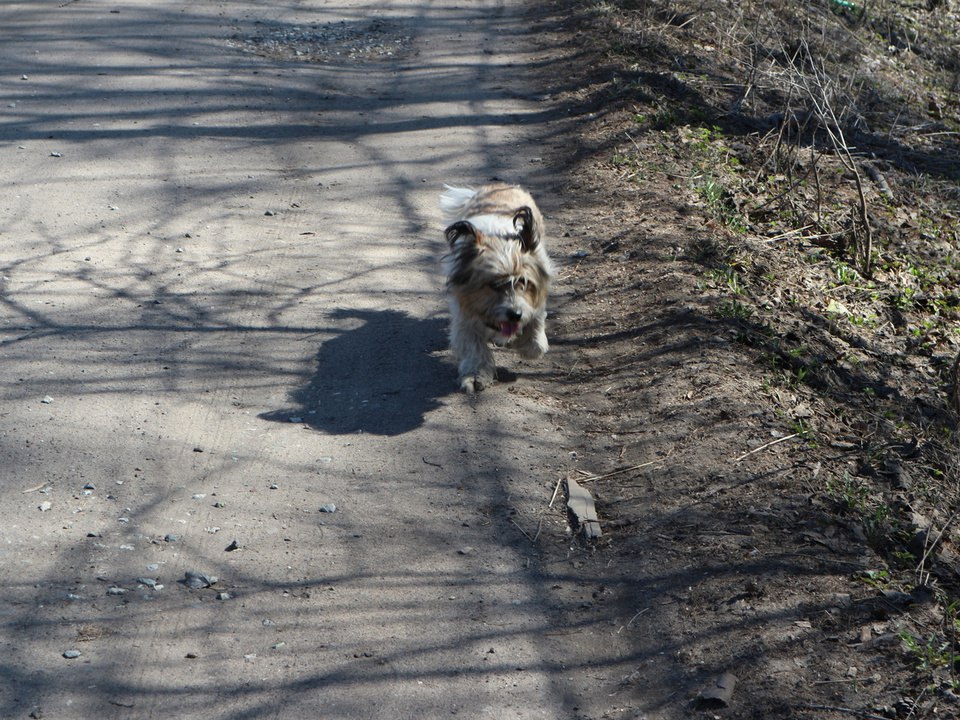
498,276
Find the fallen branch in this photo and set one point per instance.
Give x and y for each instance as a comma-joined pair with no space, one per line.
555,491
764,447
590,477
522,530
630,622
849,711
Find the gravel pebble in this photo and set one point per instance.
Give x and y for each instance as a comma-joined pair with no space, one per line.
197,580
328,42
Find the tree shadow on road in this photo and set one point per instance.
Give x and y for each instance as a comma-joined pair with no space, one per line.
381,377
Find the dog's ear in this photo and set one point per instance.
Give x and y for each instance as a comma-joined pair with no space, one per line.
526,230
460,229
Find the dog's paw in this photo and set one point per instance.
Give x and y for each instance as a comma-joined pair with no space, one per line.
533,351
475,382
472,384
534,348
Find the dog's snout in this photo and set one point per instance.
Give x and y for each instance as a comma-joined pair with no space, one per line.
514,315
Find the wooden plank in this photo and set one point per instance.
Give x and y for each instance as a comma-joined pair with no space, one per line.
580,502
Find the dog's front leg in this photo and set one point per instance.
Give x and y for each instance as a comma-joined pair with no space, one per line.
477,366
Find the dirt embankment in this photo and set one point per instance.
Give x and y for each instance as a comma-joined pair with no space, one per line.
763,292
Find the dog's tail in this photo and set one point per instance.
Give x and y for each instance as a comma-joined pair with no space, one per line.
454,201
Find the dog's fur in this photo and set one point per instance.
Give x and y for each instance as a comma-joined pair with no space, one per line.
498,276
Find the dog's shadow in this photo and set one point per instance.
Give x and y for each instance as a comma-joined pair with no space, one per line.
381,377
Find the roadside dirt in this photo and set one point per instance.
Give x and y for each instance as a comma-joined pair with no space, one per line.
770,442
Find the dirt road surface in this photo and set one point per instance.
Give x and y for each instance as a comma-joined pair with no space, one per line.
221,316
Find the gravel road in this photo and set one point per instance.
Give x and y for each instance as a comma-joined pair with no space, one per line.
221,320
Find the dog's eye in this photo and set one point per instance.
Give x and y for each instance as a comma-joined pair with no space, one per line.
501,284
522,284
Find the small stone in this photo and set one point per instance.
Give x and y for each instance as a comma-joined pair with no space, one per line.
219,504
149,582
44,506
269,213
213,529
197,580
274,486
89,486
199,496
232,546
223,596
277,646
71,654
171,538
46,400
328,508
114,590
465,550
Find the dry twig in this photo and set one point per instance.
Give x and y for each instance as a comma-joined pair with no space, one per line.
590,477
765,446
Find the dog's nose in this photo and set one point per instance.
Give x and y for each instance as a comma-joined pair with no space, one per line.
514,315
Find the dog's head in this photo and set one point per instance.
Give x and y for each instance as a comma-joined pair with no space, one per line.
496,271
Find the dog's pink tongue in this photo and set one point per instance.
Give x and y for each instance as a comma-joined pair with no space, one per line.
509,329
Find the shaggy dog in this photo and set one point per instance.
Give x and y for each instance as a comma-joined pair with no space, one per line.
498,274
